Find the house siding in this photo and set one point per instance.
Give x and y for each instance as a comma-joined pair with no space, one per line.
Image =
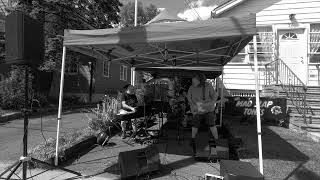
79,84
241,76
112,83
278,11
271,13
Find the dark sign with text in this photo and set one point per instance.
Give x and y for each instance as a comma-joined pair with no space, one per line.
271,109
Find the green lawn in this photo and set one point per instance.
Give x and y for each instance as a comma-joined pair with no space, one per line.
287,154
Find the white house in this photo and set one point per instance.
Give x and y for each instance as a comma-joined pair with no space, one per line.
288,29
288,43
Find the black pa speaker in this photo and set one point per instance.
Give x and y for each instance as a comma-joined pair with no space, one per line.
24,39
139,162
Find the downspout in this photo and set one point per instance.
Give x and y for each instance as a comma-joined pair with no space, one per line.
91,81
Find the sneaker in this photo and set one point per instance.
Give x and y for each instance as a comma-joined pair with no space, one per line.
123,135
133,135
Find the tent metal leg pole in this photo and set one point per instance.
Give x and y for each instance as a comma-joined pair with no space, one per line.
258,103
221,97
60,103
133,76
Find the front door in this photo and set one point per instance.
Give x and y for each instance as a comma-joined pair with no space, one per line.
293,51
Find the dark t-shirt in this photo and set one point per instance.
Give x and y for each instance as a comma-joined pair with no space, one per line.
130,99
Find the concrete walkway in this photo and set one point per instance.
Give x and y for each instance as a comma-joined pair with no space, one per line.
11,133
41,174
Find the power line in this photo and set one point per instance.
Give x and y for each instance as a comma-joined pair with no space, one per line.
193,8
188,6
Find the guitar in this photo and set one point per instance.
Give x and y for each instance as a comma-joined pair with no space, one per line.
125,112
204,107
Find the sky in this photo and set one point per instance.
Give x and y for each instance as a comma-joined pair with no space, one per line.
181,8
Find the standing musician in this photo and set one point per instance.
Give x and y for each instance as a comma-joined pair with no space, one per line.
202,99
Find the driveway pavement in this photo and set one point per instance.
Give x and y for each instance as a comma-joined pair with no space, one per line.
11,133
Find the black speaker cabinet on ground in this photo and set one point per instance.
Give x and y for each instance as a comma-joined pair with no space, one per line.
24,39
237,170
139,162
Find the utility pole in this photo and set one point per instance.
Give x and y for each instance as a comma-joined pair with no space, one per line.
135,13
133,72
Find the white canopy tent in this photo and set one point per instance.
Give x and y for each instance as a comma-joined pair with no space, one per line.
162,43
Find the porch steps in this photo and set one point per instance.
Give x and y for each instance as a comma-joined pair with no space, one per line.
312,119
312,110
312,101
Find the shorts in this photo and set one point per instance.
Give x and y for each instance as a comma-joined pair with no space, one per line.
209,119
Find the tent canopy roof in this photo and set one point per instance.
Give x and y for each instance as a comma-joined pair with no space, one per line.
181,44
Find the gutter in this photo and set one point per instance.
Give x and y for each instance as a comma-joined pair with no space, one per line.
226,7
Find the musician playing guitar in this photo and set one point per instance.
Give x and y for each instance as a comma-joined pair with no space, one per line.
202,99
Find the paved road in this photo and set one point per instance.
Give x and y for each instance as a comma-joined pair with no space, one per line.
11,133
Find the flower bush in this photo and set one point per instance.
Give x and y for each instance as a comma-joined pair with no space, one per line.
103,121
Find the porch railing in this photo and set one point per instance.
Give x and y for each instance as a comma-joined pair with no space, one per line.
279,73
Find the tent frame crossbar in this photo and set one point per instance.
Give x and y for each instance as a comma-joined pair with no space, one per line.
167,51
164,52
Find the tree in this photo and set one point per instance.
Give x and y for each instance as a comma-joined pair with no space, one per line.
58,15
144,14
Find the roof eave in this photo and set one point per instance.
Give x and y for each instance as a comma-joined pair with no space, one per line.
225,7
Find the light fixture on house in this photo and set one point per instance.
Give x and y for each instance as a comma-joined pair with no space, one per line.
292,17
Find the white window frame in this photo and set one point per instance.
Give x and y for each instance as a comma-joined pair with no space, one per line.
309,45
68,68
104,70
2,77
123,73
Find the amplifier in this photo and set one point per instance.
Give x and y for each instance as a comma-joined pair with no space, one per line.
138,162
237,170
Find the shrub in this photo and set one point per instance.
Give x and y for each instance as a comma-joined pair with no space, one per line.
12,89
101,123
46,150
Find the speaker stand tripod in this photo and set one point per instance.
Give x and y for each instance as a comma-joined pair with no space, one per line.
25,159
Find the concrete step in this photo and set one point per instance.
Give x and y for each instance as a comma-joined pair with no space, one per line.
299,119
312,110
313,89
310,102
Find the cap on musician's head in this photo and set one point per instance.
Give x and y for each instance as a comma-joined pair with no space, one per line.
201,77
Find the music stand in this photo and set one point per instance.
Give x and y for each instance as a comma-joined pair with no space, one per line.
25,159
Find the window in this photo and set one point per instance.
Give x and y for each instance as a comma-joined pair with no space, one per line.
2,78
265,41
72,67
123,73
289,36
314,43
106,68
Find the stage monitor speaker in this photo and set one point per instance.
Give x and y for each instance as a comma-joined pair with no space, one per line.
24,39
237,170
139,162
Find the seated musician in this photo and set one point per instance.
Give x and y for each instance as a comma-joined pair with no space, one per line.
129,110
202,99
